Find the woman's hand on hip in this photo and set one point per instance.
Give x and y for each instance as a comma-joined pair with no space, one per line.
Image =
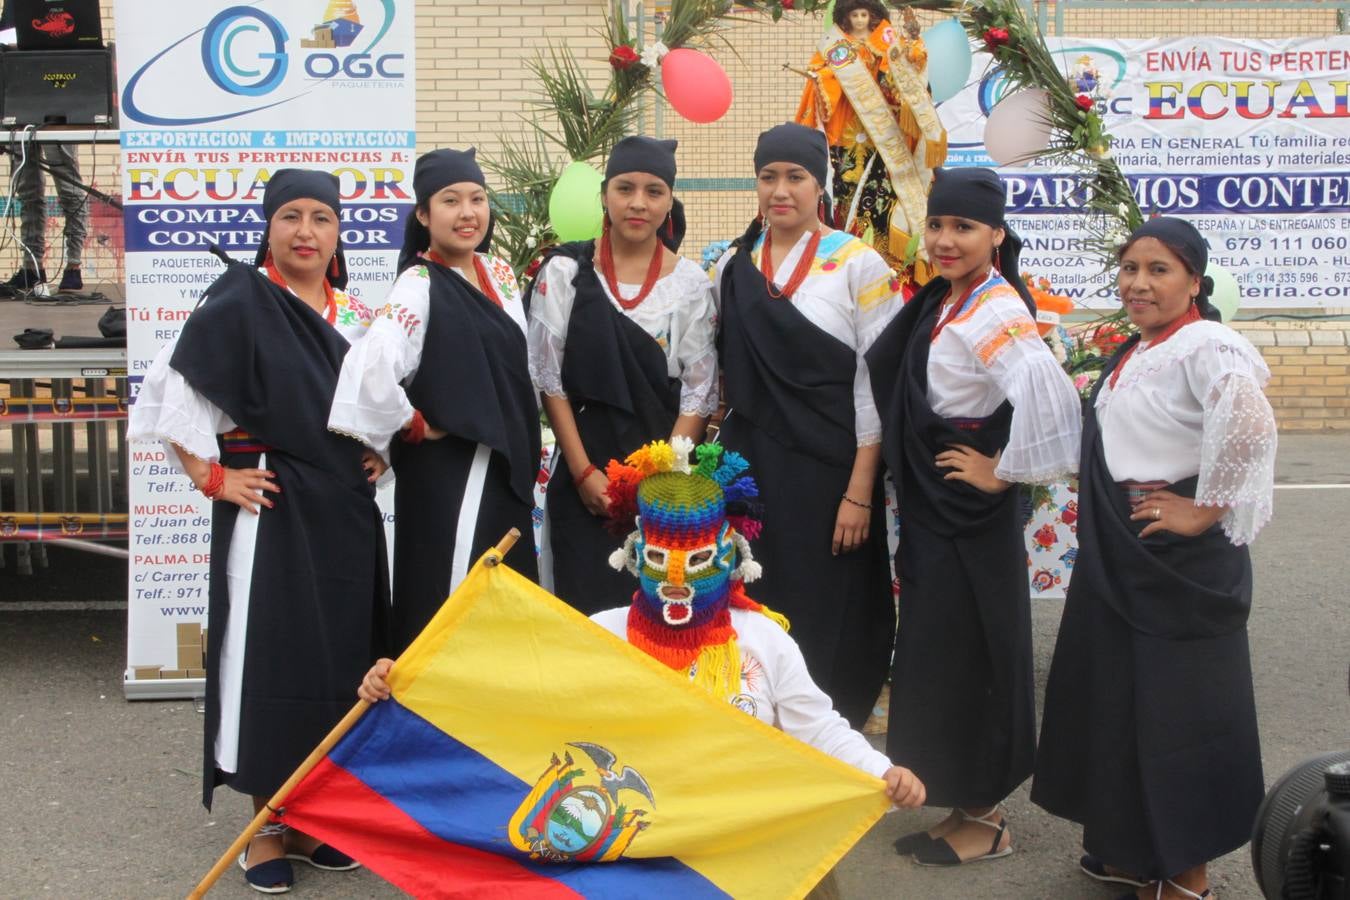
1166,511
973,467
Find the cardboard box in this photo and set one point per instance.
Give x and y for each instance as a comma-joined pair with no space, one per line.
188,632
196,673
144,673
173,673
190,656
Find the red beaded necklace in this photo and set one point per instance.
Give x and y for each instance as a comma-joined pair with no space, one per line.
485,285
329,304
606,262
798,274
1192,314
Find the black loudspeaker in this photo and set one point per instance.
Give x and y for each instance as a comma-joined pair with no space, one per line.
56,87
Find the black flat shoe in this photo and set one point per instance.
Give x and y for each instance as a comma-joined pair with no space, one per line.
912,843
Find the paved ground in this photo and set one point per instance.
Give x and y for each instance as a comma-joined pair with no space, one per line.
100,796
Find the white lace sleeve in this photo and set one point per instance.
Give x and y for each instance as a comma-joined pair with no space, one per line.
1047,420
550,309
697,352
168,409
370,403
1237,451
876,300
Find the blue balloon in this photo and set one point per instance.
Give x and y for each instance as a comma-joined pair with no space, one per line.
949,59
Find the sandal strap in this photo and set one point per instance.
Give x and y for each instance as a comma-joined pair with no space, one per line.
1192,894
273,829
999,828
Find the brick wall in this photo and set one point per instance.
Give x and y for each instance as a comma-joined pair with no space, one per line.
1310,372
474,84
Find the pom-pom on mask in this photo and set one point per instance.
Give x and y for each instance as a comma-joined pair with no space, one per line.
692,524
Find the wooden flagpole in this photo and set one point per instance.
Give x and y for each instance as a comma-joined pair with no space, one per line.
328,743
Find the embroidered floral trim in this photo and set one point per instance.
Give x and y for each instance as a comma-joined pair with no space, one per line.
408,320
992,346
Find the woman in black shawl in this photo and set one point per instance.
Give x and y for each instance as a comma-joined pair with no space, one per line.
622,349
444,368
298,586
972,402
800,304
1149,736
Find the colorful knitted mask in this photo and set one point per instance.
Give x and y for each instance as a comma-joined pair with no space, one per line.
690,553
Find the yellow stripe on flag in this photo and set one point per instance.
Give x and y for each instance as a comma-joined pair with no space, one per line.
511,671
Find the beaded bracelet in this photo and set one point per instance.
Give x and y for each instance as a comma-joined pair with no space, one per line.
866,506
416,431
215,482
585,473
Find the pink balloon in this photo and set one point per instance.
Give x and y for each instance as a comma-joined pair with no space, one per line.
695,85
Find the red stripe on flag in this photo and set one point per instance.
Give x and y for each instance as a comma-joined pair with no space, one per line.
336,807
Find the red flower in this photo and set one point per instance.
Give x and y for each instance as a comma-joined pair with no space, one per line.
995,38
1084,102
788,4
622,56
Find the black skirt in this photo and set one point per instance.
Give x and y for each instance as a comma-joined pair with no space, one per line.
432,506
962,712
1149,736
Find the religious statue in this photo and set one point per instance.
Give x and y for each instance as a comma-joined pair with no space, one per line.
867,89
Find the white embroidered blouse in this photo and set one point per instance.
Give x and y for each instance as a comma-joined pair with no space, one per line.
169,410
1193,405
370,403
849,293
678,314
989,352
777,689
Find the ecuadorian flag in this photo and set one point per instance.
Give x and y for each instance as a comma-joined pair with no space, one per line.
527,752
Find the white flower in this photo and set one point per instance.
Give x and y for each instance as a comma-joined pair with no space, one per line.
531,240
652,55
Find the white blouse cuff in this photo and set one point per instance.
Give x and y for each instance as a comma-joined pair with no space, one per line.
167,408
1043,445
546,359
370,404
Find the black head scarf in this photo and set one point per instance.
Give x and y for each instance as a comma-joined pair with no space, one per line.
1182,238
287,185
434,172
640,153
978,194
796,144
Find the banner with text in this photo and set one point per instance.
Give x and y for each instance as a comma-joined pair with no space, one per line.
216,96
1247,139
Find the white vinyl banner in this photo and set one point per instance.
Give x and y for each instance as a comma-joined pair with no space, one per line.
215,96
1248,139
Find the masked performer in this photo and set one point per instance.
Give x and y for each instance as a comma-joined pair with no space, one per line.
441,384
622,348
1149,736
298,587
692,559
868,92
972,402
800,304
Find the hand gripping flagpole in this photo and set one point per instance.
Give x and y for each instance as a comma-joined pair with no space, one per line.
492,559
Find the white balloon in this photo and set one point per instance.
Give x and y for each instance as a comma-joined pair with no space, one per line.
1018,127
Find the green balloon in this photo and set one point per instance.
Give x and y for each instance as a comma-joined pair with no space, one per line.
574,206
828,15
1227,296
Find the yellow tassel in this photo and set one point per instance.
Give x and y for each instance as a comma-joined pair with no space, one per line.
776,617
935,152
719,669
909,125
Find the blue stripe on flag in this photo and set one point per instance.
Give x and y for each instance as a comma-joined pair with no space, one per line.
462,797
